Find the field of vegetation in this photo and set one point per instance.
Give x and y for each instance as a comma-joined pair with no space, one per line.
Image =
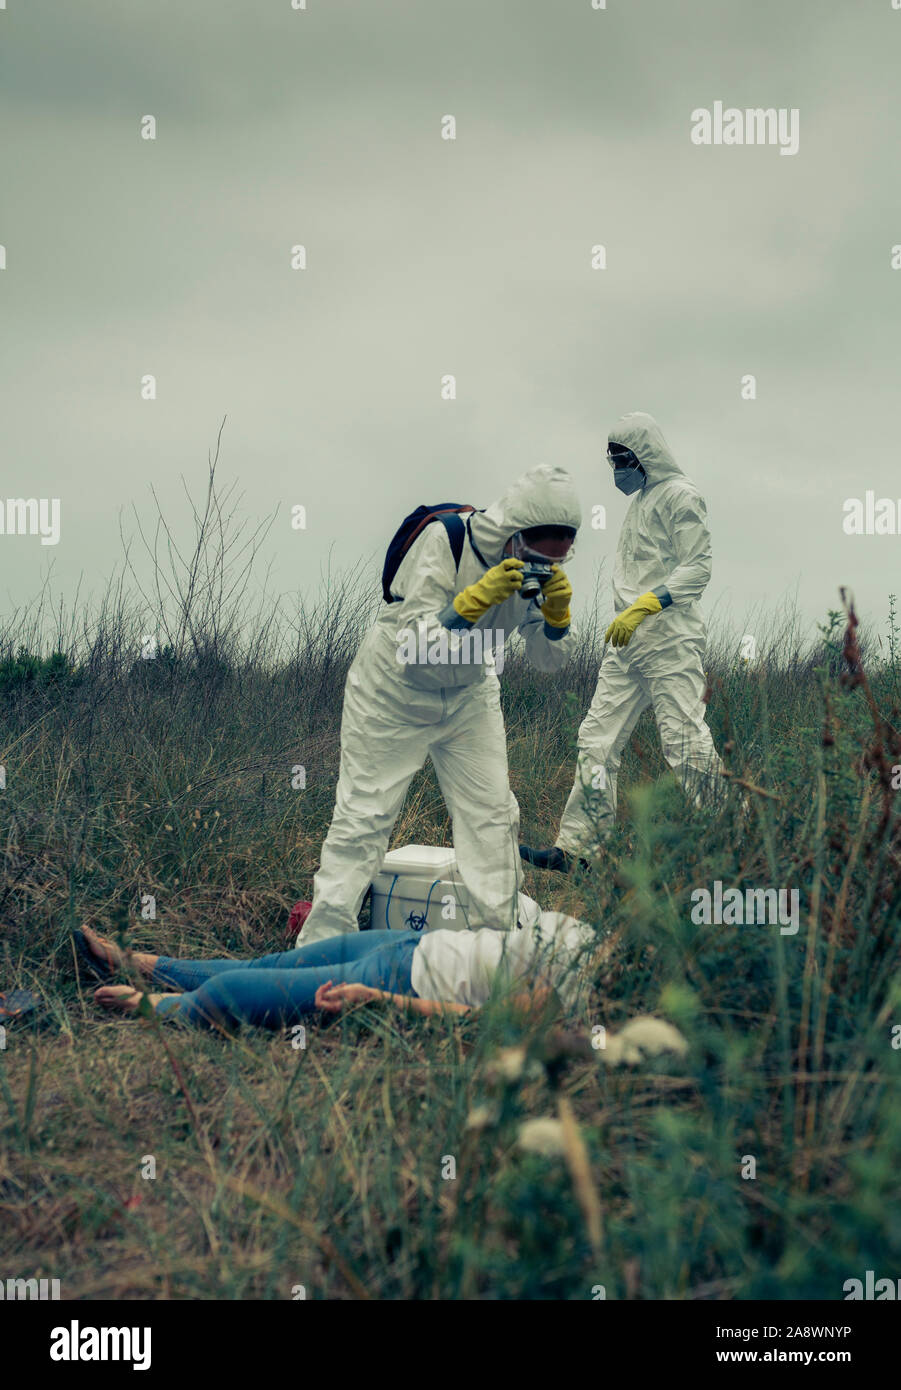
135,772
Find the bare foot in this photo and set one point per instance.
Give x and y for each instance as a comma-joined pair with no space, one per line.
110,954
124,997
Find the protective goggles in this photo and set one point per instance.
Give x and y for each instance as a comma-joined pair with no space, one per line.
618,456
544,545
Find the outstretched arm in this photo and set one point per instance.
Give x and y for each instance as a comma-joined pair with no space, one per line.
528,1005
333,998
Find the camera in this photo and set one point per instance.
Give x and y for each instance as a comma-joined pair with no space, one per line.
533,577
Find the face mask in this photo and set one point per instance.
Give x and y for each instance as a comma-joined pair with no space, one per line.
629,480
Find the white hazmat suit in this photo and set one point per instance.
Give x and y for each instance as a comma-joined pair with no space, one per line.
664,545
396,713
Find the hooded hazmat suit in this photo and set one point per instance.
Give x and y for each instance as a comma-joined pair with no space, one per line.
664,545
399,710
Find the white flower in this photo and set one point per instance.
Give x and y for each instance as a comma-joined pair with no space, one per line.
506,1065
542,1136
643,1037
480,1117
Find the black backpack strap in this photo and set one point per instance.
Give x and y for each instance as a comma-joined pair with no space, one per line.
478,554
455,527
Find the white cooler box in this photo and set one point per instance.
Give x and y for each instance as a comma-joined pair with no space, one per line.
419,887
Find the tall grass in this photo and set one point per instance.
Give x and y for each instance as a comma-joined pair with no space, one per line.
382,1159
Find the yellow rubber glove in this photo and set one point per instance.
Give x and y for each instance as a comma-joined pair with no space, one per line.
557,594
494,586
624,624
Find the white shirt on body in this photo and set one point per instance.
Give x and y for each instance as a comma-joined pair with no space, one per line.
464,967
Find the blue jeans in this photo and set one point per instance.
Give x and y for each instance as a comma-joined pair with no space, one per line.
275,991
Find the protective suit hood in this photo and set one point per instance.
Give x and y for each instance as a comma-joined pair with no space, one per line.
545,496
641,433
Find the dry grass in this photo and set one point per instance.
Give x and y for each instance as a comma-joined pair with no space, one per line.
328,1167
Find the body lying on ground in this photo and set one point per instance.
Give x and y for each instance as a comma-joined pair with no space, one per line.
437,972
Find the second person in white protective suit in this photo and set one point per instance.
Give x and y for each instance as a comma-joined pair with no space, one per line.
655,644
398,711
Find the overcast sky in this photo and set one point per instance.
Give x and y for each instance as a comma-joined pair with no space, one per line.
472,257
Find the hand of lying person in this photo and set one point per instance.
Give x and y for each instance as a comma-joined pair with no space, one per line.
332,998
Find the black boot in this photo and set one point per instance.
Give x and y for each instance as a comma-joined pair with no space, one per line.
553,858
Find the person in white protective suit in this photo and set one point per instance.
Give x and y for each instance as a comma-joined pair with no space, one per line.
655,644
400,708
